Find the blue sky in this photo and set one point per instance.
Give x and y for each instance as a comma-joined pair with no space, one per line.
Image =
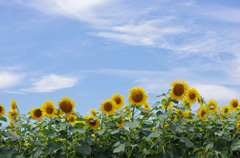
89,50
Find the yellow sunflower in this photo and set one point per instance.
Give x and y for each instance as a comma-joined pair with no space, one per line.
192,96
226,109
200,100
93,112
212,106
202,112
137,96
118,99
36,114
234,104
164,105
188,113
120,123
72,119
126,109
93,124
179,90
66,106
238,125
181,113
13,105
108,107
2,110
48,109
12,114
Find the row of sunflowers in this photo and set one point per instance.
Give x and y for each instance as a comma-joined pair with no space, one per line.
169,128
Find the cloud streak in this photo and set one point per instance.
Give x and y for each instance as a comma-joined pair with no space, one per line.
9,79
52,82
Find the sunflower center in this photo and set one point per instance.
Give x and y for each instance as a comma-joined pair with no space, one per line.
137,97
117,100
13,115
192,96
226,110
203,113
38,113
235,104
66,106
93,123
49,110
120,121
1,109
14,106
108,106
178,89
72,119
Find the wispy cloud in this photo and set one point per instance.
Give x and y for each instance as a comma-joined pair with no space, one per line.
9,79
51,83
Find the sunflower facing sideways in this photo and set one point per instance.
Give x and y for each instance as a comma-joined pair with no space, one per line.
212,106
226,109
13,105
48,109
66,106
166,102
202,112
234,104
72,119
192,95
179,90
120,123
93,124
2,110
36,114
118,99
137,96
12,115
108,107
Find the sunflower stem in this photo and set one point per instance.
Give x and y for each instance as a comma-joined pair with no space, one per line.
66,142
133,111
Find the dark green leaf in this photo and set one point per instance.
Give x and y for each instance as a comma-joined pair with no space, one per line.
83,148
187,142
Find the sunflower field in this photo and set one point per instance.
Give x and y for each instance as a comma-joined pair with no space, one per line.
125,129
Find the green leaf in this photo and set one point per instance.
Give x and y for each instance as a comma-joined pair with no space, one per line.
3,119
11,135
187,142
131,125
176,127
83,148
95,117
219,133
119,148
209,146
53,147
154,134
236,146
116,131
163,94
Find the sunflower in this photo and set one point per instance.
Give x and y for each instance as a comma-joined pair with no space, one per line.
200,100
120,123
202,112
192,95
137,96
93,124
93,112
181,113
238,125
212,106
2,110
188,113
234,104
36,114
126,109
13,105
108,107
48,109
178,90
118,99
226,109
72,119
12,114
169,104
66,106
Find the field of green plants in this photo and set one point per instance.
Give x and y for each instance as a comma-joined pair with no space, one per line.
125,128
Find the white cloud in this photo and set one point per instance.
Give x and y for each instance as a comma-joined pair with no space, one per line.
51,83
9,79
218,92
